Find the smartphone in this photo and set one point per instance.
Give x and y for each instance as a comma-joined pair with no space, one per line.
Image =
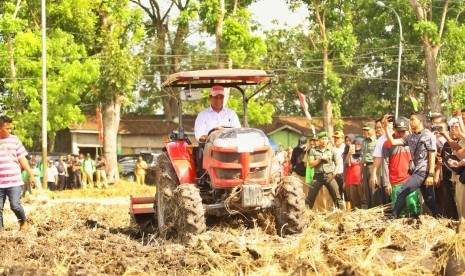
352,148
436,128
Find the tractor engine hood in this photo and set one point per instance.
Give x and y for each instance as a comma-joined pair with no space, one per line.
244,139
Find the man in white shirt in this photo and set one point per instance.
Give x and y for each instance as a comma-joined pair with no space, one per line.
376,180
52,176
215,116
339,147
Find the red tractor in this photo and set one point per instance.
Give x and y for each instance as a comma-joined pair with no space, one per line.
240,173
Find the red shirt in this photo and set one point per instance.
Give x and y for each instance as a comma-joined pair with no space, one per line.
286,165
395,164
353,175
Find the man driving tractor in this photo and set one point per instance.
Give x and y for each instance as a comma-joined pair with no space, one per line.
215,116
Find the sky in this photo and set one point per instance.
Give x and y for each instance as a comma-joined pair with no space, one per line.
264,11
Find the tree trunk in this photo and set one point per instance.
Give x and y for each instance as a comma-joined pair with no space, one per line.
9,41
51,142
327,104
433,80
328,116
219,34
169,103
111,118
423,13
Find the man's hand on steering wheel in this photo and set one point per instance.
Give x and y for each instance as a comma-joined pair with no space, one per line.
217,128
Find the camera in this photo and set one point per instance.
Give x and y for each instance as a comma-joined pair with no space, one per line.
436,128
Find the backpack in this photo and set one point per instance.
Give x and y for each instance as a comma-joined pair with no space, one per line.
60,167
301,157
299,166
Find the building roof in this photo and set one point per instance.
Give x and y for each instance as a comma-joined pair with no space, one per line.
156,124
140,124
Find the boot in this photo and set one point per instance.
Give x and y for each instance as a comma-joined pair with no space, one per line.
23,226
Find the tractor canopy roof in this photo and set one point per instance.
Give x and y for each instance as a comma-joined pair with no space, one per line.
191,82
224,77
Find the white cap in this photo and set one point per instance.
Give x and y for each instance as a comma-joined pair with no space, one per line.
217,90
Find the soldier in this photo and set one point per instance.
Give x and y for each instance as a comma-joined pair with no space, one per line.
325,161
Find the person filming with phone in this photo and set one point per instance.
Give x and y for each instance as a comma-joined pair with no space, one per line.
422,144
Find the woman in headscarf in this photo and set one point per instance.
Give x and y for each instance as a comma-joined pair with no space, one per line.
352,184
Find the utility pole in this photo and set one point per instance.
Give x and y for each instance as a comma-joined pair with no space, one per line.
44,99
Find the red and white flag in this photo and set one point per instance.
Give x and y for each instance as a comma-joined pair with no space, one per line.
304,104
99,123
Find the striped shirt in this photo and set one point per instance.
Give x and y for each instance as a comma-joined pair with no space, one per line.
11,149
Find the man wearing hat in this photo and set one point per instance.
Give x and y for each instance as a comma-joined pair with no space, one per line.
339,147
422,144
215,116
52,176
368,148
395,164
325,161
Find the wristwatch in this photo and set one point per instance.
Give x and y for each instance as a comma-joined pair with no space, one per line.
431,174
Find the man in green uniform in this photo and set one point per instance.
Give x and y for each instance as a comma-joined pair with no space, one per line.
368,147
325,162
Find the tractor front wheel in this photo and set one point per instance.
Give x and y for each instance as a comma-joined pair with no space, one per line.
190,214
179,207
289,216
166,183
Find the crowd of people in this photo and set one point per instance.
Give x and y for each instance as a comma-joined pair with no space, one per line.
70,172
391,163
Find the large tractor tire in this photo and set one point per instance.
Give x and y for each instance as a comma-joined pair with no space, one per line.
190,214
289,216
179,207
166,183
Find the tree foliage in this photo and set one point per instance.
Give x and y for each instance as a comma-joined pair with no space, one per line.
68,75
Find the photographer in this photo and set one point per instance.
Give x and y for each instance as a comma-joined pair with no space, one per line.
455,160
422,144
395,166
438,124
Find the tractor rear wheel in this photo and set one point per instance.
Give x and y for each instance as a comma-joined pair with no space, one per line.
289,216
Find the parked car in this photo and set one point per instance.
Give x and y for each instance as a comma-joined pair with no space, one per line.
127,163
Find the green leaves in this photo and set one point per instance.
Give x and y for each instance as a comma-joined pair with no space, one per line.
244,48
430,29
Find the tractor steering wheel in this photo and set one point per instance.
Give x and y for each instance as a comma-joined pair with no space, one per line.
217,128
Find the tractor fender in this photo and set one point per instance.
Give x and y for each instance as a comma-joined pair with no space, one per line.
182,158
